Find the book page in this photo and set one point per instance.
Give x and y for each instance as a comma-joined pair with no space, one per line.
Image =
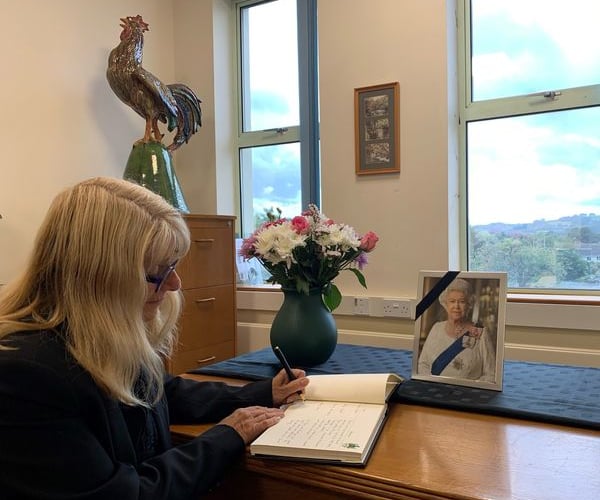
309,426
353,387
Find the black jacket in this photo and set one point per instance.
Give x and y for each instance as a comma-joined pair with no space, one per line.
61,437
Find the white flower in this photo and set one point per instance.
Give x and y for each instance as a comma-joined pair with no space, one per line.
339,236
308,252
276,243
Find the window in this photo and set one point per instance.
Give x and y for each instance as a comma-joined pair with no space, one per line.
530,141
278,112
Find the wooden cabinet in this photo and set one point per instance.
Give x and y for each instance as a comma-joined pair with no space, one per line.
208,323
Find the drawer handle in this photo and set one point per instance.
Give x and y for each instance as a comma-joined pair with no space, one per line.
204,240
206,360
209,299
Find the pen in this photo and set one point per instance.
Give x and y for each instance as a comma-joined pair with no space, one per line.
286,366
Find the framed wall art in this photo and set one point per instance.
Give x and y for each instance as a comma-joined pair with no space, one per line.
376,128
459,328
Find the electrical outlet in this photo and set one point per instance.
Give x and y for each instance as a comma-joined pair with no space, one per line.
397,308
361,306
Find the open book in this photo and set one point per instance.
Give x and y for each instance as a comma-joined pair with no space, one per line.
338,422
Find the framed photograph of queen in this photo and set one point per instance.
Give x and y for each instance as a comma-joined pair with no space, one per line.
459,328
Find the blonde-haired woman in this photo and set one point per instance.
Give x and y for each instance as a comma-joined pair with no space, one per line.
456,347
85,405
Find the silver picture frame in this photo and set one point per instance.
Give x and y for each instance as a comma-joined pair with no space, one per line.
459,328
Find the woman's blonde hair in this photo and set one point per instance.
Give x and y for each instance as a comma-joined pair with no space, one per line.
87,278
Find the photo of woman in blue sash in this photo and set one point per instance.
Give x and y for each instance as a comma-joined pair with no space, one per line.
457,347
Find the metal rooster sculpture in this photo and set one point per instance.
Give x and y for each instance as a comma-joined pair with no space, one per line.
174,104
150,163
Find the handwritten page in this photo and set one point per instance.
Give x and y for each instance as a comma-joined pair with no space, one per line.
322,425
339,421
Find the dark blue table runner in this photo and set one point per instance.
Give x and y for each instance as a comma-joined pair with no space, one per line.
559,394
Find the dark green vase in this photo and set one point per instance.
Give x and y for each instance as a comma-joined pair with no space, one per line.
151,165
304,329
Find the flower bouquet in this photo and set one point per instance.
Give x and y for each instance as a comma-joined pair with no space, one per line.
309,251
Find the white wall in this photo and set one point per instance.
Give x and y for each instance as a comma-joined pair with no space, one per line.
204,55
60,120
368,43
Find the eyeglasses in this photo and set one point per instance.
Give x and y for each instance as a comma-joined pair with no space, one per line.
159,280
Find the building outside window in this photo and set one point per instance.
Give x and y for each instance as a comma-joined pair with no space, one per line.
278,109
530,141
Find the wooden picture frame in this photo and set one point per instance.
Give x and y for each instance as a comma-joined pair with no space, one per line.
376,129
471,354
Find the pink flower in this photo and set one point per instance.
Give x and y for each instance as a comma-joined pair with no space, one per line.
368,241
247,249
309,251
300,224
272,223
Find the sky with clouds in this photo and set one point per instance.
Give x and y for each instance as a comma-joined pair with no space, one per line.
542,166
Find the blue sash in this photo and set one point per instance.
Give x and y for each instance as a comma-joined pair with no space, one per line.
448,355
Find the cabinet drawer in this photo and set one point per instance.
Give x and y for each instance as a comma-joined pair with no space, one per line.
208,316
210,260
182,362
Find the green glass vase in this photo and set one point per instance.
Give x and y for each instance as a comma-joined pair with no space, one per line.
304,329
151,165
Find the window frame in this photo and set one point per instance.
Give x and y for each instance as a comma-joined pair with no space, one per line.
306,133
503,107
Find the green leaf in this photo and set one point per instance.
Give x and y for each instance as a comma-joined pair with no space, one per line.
332,297
359,276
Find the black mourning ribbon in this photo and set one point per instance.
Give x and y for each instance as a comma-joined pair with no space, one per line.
435,292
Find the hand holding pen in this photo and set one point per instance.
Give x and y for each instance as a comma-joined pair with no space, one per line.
286,366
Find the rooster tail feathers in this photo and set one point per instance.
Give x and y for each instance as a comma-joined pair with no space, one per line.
188,103
189,114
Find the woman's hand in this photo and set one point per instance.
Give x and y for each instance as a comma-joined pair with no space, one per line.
286,391
252,421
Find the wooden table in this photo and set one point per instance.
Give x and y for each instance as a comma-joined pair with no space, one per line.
431,453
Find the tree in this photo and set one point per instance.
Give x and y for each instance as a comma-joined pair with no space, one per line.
523,258
571,267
